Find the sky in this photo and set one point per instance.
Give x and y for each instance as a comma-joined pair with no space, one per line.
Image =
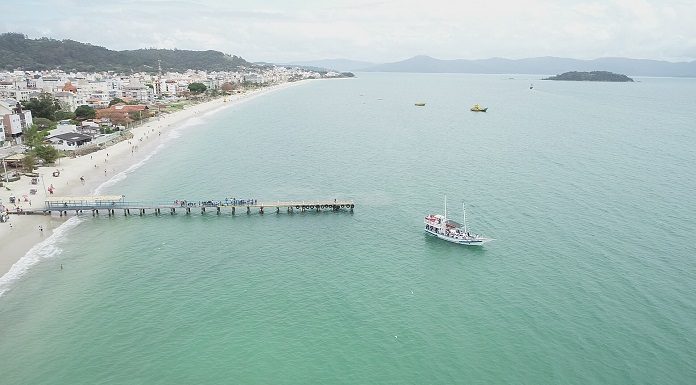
370,30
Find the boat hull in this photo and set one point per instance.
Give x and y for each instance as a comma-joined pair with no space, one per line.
460,241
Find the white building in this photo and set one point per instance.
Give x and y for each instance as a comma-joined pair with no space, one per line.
67,99
168,87
15,121
69,141
140,93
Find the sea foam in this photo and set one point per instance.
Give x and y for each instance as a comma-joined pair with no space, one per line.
49,248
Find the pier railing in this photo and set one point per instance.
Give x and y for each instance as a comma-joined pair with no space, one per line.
111,204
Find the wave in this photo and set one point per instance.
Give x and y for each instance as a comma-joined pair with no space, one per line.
49,248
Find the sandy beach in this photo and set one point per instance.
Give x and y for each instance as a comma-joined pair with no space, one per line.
23,232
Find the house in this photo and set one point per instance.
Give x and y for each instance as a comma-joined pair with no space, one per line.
69,141
121,113
63,127
138,92
66,99
168,87
14,119
91,128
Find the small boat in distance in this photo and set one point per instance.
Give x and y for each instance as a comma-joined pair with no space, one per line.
420,104
478,108
531,86
439,226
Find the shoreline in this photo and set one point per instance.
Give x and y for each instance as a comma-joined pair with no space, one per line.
25,234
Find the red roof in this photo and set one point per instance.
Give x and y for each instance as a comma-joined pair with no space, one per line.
69,87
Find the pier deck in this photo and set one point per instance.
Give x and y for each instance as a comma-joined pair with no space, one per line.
109,204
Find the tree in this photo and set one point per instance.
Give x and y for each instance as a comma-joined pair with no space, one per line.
44,124
139,115
44,106
85,112
46,152
29,162
64,115
197,88
116,101
33,136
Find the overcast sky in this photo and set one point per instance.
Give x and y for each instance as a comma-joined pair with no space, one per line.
376,31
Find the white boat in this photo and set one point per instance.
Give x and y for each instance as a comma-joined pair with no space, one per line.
439,226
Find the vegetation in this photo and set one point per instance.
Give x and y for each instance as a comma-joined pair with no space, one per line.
18,52
29,162
84,112
64,115
44,124
139,115
594,76
33,136
46,152
45,106
116,101
197,88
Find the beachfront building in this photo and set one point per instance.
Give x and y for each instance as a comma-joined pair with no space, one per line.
168,87
139,92
68,141
122,114
15,120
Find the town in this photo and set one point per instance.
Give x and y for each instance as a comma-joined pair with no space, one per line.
48,114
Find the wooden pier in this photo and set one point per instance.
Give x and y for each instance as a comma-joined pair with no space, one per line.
113,204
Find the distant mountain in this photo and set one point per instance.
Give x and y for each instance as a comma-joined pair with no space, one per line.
18,52
539,66
335,64
594,76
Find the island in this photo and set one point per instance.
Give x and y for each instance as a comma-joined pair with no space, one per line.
593,76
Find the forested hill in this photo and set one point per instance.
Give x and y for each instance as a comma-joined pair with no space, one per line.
19,52
592,76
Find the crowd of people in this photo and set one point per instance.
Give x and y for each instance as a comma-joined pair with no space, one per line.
214,203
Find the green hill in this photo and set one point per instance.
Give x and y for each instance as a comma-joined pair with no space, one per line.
19,52
593,76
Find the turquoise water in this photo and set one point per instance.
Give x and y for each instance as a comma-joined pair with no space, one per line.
587,187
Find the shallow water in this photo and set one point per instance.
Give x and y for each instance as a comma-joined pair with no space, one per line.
587,188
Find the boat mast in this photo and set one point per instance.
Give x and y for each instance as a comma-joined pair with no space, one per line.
445,209
466,230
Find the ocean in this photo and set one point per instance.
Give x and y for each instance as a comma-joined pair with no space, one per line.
588,189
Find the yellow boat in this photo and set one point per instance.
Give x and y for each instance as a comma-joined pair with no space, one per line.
478,108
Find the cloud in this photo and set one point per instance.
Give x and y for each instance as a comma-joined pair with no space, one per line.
277,30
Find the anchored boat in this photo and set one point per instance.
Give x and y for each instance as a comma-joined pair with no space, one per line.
439,226
478,108
420,104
